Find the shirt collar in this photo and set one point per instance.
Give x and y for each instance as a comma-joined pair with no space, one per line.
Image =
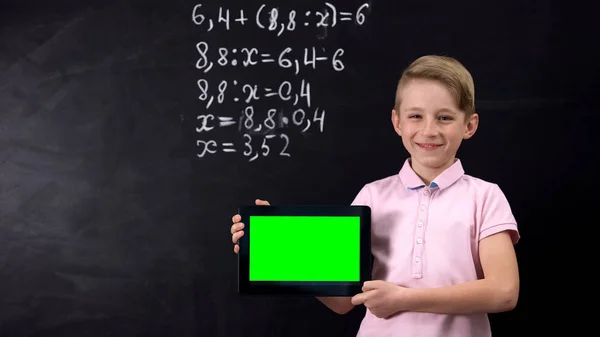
412,181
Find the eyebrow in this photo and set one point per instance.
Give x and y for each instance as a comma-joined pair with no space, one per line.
452,111
418,109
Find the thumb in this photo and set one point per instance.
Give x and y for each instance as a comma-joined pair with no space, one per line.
262,202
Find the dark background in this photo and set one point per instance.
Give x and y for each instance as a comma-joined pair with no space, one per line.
111,225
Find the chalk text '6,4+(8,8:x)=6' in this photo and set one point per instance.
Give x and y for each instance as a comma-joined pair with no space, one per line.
278,21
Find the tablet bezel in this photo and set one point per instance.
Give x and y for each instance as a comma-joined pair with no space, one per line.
309,288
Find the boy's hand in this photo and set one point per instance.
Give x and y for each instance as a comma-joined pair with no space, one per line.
236,228
382,298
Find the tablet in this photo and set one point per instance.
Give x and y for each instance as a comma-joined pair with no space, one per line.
304,250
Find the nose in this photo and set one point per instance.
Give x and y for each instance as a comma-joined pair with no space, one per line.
430,128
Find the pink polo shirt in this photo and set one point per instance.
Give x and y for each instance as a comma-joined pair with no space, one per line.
428,236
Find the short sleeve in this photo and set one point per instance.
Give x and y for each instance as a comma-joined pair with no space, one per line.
497,215
363,198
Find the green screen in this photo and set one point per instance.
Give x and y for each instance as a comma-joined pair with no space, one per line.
305,248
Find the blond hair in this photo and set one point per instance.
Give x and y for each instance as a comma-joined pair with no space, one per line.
446,70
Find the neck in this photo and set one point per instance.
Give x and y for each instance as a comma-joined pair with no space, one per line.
428,174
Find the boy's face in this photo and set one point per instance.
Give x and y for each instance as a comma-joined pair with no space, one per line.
431,125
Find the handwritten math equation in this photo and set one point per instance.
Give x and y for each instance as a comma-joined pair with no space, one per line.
277,21
262,114
258,135
287,58
234,91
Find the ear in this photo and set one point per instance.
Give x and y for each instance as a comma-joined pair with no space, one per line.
471,126
396,122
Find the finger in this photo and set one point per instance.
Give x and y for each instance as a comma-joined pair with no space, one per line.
237,227
262,202
371,285
359,299
236,218
236,249
236,237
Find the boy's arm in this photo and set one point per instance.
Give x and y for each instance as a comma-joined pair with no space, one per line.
497,292
340,305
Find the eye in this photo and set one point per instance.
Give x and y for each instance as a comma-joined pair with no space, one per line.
446,118
414,116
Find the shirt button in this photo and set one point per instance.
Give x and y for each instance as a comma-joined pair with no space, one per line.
417,259
422,207
426,192
420,224
419,241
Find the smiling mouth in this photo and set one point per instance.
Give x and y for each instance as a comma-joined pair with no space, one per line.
428,146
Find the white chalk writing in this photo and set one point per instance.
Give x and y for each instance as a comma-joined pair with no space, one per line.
276,21
263,112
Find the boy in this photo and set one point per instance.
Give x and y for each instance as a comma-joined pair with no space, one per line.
442,240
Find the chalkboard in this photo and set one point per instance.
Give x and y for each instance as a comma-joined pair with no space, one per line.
131,131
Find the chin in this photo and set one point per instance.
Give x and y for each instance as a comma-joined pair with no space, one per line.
432,162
